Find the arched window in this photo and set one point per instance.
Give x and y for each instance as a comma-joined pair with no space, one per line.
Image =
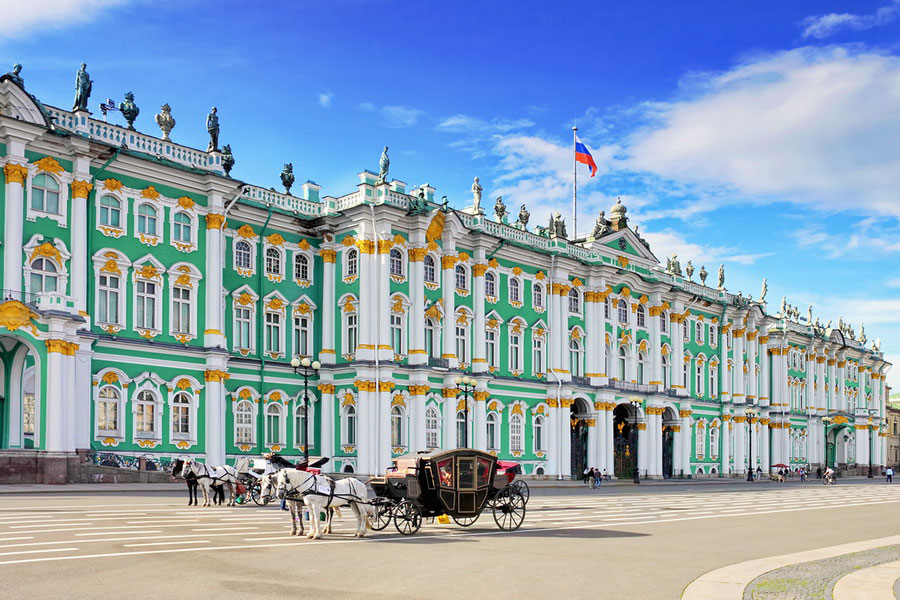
430,274
698,332
243,422
44,276
352,262
686,333
432,339
145,415
537,354
182,228
641,367
110,211
45,194
273,261
181,416
273,424
462,282
147,219
698,379
515,351
575,363
181,309
432,427
490,285
108,410
515,292
713,381
623,311
145,309
574,301
301,267
397,437
349,424
641,316
351,333
492,440
666,374
714,440
461,432
621,363
108,296
713,335
242,255
664,322
516,433
700,439
396,262
398,339
537,295
538,434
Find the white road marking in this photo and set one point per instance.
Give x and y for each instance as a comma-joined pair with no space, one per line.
115,533
36,551
166,543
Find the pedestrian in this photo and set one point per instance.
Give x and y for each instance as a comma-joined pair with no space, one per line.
590,478
818,472
890,475
598,478
605,475
585,475
758,473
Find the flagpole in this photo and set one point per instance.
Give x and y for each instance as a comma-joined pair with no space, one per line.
574,185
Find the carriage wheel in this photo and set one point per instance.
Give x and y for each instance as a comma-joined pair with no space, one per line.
383,513
509,509
466,521
522,488
407,518
255,489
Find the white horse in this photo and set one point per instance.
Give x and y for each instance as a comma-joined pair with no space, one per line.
320,493
208,476
295,503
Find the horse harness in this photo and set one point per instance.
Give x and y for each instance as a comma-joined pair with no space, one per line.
223,479
313,489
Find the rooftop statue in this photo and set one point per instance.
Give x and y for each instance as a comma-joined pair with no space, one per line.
673,267
165,120
476,196
445,204
287,177
783,310
524,217
419,204
721,283
129,109
557,226
862,334
499,209
689,269
83,85
601,225
212,126
14,75
809,314
703,274
764,290
384,164
227,159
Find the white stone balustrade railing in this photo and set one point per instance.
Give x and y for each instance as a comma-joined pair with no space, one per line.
284,201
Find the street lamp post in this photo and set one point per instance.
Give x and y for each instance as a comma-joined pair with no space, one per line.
466,385
750,412
305,368
636,405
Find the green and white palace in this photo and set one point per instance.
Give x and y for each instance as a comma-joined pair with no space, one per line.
152,305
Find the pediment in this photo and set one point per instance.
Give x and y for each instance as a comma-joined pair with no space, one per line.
18,104
624,243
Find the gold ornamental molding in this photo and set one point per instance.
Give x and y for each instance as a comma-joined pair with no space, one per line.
685,413
326,388
48,164
15,173
150,193
328,256
418,390
214,220
216,375
417,254
478,270
246,232
448,262
113,185
14,314
435,229
81,188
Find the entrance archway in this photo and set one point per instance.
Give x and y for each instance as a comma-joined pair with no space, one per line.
20,409
624,441
670,421
578,436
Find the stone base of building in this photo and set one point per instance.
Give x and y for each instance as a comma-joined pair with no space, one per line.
35,466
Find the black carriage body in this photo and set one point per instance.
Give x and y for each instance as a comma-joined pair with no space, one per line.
457,482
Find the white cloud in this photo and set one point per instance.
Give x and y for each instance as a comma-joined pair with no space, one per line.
325,97
22,18
467,123
366,107
823,26
893,283
812,126
663,243
401,116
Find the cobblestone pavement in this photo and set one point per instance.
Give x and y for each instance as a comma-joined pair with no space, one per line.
815,580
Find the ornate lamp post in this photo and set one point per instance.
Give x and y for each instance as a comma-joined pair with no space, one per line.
636,405
466,385
750,411
305,368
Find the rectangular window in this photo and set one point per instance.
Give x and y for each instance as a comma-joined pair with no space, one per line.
397,334
242,325
302,336
461,335
144,418
108,309
108,415
537,359
145,311
515,348
181,310
490,343
352,332
273,332
244,427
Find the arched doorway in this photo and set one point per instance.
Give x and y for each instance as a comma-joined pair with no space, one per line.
20,411
578,436
670,421
624,441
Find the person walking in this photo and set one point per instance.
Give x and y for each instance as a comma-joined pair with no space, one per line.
590,478
585,475
598,478
889,473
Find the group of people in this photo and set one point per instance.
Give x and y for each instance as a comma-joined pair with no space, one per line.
595,477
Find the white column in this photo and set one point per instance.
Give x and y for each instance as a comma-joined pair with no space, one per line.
78,265
71,396
677,450
558,332
600,339
479,362
15,174
417,406
810,375
678,382
739,395
656,444
724,369
832,400
644,450
740,431
368,280
593,338
383,296
563,332
727,445
214,398
326,311
685,416
764,359
610,439
479,414
326,416
448,265
842,384
54,392
631,360
862,389
764,445
83,395
821,401
592,441
212,280
653,314
753,428
752,392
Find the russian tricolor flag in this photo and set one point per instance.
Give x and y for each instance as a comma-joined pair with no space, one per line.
582,155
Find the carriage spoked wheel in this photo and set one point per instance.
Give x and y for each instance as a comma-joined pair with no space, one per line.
255,489
407,517
509,508
523,489
465,521
384,511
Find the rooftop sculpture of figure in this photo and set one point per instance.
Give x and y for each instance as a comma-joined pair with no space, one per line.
524,217
476,195
212,126
14,75
499,209
557,226
721,285
384,164
83,85
601,225
764,291
287,177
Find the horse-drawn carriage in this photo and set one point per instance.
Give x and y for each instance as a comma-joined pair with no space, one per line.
460,483
250,477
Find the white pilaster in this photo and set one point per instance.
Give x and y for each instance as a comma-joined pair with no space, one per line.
326,311
15,173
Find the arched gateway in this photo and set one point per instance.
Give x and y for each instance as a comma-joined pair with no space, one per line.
624,441
578,437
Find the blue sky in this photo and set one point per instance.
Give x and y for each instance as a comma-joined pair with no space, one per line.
762,135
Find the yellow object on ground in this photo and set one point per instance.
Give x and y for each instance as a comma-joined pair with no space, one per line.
444,520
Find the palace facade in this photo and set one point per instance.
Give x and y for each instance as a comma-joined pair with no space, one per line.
152,305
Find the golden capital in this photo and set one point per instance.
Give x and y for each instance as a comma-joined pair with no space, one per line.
417,254
215,221
685,413
216,375
418,390
81,188
384,246
15,173
60,346
448,262
366,246
479,270
328,256
326,388
481,396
